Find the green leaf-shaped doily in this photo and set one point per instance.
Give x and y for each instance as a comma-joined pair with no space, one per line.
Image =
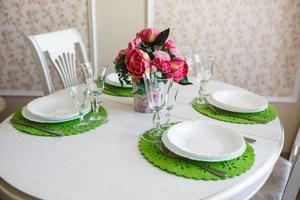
117,91
267,115
185,169
66,127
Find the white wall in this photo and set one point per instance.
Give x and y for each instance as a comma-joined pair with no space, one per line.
117,23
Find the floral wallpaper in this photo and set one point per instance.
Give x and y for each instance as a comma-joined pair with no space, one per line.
29,17
256,42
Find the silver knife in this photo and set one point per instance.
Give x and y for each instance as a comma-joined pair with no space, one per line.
25,123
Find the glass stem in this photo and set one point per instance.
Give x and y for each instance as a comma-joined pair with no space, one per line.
81,116
156,120
202,92
95,106
168,116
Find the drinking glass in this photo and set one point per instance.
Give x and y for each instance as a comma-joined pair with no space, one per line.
204,69
95,78
79,94
171,100
157,90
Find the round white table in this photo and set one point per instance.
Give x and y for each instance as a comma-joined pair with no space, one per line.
105,163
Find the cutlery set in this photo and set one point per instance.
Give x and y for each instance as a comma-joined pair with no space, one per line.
32,125
170,154
226,113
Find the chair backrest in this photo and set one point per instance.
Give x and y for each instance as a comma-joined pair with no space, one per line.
59,46
293,183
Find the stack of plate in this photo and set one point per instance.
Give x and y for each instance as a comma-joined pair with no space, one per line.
204,141
53,108
113,79
238,101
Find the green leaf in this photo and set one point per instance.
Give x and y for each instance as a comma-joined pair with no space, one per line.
162,37
140,88
120,65
185,81
123,74
148,50
157,47
143,44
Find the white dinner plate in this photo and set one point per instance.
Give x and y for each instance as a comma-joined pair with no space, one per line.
113,79
238,101
204,141
56,107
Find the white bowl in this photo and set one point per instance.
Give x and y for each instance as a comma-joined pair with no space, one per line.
204,141
238,101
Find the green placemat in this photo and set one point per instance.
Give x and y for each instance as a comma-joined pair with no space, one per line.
267,115
182,168
66,127
117,91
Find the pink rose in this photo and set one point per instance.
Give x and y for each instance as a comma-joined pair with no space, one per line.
137,61
179,69
161,56
121,53
148,35
132,44
170,44
175,52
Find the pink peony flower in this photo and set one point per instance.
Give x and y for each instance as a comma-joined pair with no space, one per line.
162,61
121,53
165,66
170,44
179,69
156,61
176,53
161,56
148,35
132,44
137,61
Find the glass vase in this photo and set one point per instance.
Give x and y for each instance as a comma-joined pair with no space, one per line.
140,99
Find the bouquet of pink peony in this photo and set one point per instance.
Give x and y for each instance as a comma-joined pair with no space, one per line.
151,49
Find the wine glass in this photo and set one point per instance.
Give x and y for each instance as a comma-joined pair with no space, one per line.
204,69
157,90
79,94
171,100
95,78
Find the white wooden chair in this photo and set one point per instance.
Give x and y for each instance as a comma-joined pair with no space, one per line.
59,48
284,182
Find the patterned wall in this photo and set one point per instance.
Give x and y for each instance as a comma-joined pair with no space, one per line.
256,42
28,17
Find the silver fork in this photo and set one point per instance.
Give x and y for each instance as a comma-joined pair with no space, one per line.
170,154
